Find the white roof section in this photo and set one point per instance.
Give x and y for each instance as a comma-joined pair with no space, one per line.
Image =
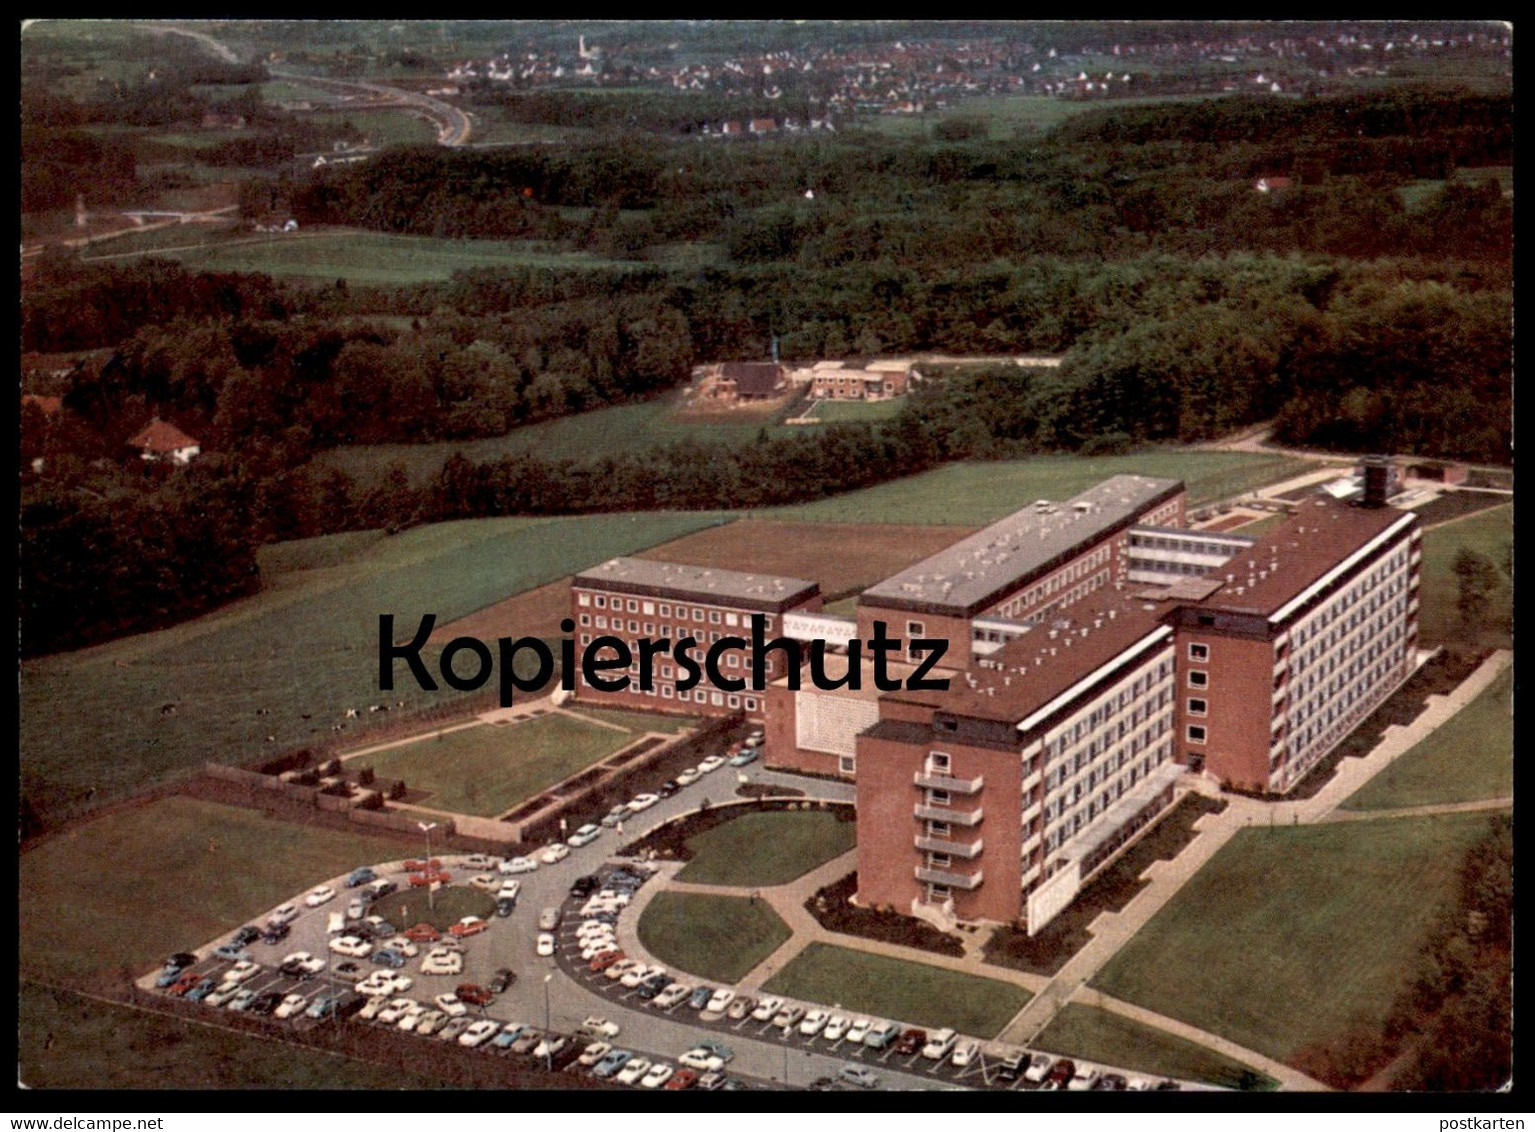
993,560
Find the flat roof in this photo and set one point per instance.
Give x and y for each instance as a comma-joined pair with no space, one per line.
987,565
1026,674
1283,564
706,584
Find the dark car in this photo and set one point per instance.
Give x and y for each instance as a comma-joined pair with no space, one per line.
474,994
585,886
350,1003
266,1003
1167,1087
275,933
653,986
502,980
1061,1073
179,960
504,907
910,1042
246,935
1111,1083
700,997
667,788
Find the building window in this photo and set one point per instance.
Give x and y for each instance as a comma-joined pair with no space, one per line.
583,599
845,764
915,629
1199,652
734,701
634,626
602,602
586,618
937,892
1196,734
937,762
732,619
1196,707
698,615
666,692
666,610
634,606
938,829
602,622
937,797
648,608
1198,679
751,704
714,617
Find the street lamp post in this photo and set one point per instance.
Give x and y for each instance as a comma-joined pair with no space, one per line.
426,827
548,1051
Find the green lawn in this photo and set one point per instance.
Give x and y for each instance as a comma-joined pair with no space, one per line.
713,937
1489,533
390,127
486,770
80,1043
760,849
1290,937
167,876
374,257
647,424
92,721
1112,1039
1470,757
857,410
638,722
442,909
979,493
899,990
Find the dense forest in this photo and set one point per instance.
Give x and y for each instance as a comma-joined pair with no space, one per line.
1132,240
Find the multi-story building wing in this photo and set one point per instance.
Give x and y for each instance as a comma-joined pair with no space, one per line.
636,598
997,799
1306,633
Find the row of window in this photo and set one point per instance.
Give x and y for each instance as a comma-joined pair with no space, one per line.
1068,827
731,658
1059,581
664,609
694,695
1347,598
1132,697
1183,545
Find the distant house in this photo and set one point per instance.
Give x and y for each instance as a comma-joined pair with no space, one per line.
731,129
1272,184
877,382
743,381
763,126
223,120
160,441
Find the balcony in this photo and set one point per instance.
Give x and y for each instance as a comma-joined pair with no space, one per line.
943,813
1031,781
1030,813
969,851
965,881
945,782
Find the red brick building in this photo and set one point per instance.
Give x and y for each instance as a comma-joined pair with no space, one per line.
634,598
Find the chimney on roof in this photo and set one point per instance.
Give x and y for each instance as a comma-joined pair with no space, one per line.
1377,481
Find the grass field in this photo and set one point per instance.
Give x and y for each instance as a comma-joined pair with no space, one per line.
899,990
1005,115
92,724
373,257
714,937
202,869
390,127
1288,938
1470,757
485,770
442,909
79,1043
1489,533
1098,1035
637,722
832,411
763,849
645,425
976,493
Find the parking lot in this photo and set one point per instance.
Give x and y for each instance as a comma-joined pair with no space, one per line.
554,994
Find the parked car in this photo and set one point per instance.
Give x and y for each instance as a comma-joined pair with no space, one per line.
743,1005
545,944
230,951
454,1028
360,876
290,1005
940,1045
423,933
789,1017
468,926
701,1059
598,1026
605,959
502,980
965,1054
442,961
381,888
611,1063
633,1070
859,1075
689,776
911,1041
389,957
552,1046
584,836
301,965
518,865
1038,1068
479,1033
509,1034
859,1030
658,1075
351,946
617,814
242,972
718,1003
746,757
275,933
481,861
417,866
593,1053
836,1028
711,764
242,1000
246,935
814,1022
1083,1079
451,1005
554,854
700,997
321,895
584,886
882,1035
643,802
682,1079
1060,1073
285,914
184,983
201,991
1111,1083
349,970
485,882
766,1008
667,788
669,997
431,1022
324,1006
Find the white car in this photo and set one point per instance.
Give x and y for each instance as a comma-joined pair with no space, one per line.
304,962
509,890
385,983
290,1005
431,1022
593,1053
356,908
321,895
551,1046
671,996
814,1023
644,802
546,944
555,853
411,1018
964,1054
584,836
374,1007
240,972
450,1005
639,973
859,1030
689,776
718,1003
485,882
1039,1068
396,1010
836,1029
701,1060
481,861
659,1074
597,1024
711,764
406,947
633,1070
596,947
479,1033
351,947
442,961
1083,1079
939,1044
284,915
767,1008
519,865
617,971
